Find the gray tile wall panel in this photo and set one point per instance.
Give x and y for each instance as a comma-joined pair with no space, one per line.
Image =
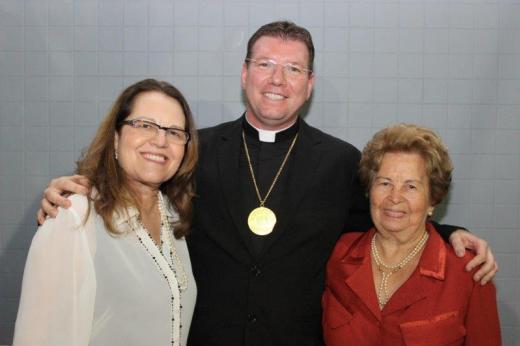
450,65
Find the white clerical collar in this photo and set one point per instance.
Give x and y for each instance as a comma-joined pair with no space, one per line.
268,136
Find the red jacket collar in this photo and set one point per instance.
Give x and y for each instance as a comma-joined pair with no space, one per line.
433,258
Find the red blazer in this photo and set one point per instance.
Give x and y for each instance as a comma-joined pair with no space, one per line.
439,304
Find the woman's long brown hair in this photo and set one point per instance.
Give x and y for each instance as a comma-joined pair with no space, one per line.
99,165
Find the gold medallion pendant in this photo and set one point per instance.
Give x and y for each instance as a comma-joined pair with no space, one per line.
261,221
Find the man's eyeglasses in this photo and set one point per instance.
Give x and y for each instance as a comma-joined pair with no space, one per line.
269,65
149,128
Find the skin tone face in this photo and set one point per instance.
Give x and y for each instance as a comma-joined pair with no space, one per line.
148,160
274,99
400,196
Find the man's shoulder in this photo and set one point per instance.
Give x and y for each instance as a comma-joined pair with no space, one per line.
335,144
329,140
218,129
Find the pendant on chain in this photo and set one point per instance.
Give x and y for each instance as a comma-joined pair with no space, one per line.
261,221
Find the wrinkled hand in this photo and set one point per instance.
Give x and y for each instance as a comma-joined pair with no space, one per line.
462,240
55,195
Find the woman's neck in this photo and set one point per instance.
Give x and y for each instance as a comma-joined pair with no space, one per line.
145,196
396,245
147,203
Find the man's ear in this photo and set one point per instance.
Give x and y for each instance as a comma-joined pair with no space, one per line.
244,75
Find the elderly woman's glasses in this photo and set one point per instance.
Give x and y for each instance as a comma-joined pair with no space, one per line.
270,65
149,128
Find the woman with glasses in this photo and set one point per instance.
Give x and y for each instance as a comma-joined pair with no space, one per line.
114,269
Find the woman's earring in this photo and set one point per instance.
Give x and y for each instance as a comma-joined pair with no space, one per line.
430,212
115,155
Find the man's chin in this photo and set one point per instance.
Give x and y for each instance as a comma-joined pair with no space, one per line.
275,121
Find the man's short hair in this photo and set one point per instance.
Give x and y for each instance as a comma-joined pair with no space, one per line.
287,31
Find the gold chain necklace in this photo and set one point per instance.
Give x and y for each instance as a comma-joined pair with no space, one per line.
261,220
387,270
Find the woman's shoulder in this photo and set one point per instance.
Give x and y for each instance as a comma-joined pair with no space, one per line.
459,263
350,238
68,227
451,258
79,207
79,202
453,264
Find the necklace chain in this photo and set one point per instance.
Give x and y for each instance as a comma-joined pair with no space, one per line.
174,256
387,270
262,201
175,262
177,280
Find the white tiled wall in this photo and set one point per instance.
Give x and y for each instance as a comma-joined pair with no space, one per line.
451,65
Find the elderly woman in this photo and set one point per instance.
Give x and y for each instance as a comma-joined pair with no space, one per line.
400,284
114,269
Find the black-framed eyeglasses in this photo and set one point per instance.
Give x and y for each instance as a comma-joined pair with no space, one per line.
149,128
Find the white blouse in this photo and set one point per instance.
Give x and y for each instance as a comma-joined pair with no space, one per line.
83,286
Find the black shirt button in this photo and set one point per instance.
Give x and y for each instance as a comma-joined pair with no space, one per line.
255,270
251,317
